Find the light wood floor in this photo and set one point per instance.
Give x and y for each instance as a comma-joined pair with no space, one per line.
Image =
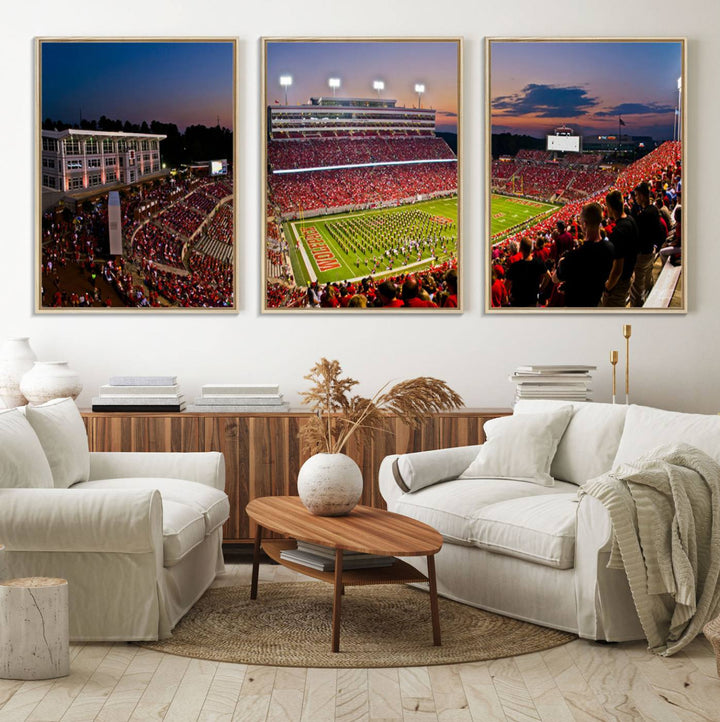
578,681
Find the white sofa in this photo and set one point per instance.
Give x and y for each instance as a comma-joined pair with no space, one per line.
539,553
138,536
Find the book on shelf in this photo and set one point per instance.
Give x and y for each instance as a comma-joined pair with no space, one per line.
240,389
323,564
110,390
554,369
170,408
237,408
554,388
329,552
240,400
561,379
139,400
143,380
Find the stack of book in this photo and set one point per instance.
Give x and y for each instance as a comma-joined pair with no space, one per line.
322,558
564,382
240,398
140,393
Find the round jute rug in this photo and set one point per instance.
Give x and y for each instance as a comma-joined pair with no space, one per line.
289,625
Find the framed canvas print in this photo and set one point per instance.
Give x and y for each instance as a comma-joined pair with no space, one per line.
361,192
135,169
585,173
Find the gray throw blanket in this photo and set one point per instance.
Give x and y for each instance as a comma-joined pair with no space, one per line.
665,512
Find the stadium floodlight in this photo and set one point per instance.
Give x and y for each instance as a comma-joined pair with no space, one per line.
334,83
419,89
286,82
378,85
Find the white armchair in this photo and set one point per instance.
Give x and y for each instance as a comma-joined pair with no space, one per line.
137,536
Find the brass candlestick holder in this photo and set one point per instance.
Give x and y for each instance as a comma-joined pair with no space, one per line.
613,361
627,331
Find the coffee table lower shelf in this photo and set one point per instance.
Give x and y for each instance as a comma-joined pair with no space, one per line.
399,572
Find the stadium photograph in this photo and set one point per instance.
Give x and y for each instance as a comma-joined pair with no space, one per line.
361,174
585,175
135,190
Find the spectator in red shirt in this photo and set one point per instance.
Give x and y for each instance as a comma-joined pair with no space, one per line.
411,295
498,292
451,281
387,296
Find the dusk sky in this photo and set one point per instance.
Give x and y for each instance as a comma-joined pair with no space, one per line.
399,64
186,83
537,86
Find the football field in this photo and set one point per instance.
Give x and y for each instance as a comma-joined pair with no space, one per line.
507,212
381,242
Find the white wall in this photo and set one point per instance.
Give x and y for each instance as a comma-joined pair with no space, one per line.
674,358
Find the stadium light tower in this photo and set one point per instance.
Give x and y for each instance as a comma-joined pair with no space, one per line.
419,89
334,83
378,85
286,82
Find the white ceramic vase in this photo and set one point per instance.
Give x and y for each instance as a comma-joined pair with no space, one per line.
16,358
49,380
330,484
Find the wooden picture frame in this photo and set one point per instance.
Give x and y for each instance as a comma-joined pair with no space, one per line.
361,145
136,153
568,121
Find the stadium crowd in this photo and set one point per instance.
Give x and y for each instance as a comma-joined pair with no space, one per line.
435,287
157,219
359,187
548,181
600,251
315,153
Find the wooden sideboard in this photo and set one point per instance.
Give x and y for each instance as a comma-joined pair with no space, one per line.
262,452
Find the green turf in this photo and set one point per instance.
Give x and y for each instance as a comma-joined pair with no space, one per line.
508,212
342,233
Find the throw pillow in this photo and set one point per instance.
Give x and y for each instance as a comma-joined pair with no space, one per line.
590,442
520,447
22,460
61,431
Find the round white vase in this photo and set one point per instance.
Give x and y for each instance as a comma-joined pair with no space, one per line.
49,380
16,358
330,484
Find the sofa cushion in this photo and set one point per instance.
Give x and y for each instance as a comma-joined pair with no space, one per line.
454,506
23,463
520,447
540,529
62,433
593,427
183,530
646,428
417,470
205,500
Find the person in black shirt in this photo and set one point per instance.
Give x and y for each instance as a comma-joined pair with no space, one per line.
651,234
583,271
624,238
525,277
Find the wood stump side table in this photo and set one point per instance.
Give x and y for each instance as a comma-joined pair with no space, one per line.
34,628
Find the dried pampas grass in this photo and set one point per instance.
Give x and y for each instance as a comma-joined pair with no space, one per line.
339,415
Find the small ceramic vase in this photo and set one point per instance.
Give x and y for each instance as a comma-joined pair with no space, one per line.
16,358
330,484
49,380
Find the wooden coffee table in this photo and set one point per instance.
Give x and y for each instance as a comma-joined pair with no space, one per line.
364,529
